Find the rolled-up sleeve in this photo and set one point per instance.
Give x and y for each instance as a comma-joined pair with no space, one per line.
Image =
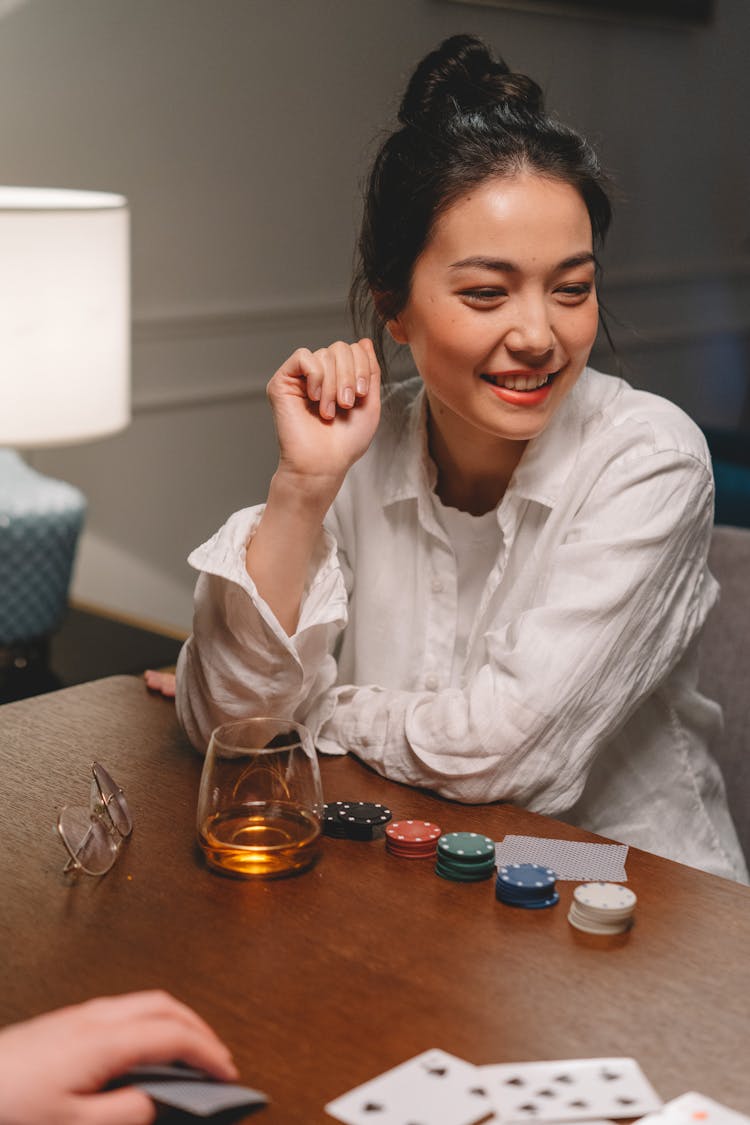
239,661
613,608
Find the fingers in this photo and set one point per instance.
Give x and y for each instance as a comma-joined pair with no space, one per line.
163,682
335,377
152,1027
128,1106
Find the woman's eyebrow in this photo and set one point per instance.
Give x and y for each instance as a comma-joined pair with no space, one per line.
498,265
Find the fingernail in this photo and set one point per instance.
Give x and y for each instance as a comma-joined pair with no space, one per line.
315,393
361,386
328,409
347,397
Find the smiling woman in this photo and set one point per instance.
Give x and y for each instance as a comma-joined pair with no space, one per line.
500,336
495,586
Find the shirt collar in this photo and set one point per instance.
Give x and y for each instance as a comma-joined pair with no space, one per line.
412,472
540,475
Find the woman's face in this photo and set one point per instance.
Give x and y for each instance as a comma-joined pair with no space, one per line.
502,311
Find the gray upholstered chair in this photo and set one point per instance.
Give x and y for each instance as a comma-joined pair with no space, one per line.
725,667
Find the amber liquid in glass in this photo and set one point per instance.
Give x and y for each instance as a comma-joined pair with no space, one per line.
263,840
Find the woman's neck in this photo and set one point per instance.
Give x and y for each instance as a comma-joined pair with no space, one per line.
473,469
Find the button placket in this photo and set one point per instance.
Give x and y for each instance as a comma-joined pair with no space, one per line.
441,611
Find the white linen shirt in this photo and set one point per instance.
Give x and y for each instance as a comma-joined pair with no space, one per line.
578,693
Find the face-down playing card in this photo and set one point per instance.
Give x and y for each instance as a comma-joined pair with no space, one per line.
569,1090
433,1088
193,1091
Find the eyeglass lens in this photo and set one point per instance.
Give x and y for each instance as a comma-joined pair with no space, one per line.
113,798
93,836
91,845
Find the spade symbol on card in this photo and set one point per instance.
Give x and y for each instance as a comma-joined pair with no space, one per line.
591,1089
433,1088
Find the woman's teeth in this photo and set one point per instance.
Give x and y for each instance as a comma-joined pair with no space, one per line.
519,382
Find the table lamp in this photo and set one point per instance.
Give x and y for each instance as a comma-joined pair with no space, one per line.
64,378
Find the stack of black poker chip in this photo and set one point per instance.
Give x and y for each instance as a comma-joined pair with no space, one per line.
332,825
354,820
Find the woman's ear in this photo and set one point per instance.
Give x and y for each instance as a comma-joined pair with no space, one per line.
393,324
396,330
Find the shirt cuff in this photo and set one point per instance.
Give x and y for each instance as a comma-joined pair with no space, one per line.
324,600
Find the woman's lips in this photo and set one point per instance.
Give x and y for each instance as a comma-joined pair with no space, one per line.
519,397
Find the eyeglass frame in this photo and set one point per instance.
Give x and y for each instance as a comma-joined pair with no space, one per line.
101,813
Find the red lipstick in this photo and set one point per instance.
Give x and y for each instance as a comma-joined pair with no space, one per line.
520,398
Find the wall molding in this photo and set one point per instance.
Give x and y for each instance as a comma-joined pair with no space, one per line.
209,356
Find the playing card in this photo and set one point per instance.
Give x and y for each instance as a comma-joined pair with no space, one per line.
193,1091
569,1090
433,1088
569,859
691,1108
200,1098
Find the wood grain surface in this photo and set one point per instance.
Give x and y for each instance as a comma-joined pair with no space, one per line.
322,981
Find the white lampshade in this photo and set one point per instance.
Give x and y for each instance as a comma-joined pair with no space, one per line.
64,316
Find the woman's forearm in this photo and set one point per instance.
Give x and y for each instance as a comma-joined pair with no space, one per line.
279,554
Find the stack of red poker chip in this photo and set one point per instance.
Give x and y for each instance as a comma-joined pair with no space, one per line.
412,839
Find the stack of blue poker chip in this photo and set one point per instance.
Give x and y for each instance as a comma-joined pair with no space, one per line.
465,857
526,884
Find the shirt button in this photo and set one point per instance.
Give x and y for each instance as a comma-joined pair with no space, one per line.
431,683
437,586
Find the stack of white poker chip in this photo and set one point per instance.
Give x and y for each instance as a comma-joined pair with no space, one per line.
602,908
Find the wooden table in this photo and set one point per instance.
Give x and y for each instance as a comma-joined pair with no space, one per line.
323,981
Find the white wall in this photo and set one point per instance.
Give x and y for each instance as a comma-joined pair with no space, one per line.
240,129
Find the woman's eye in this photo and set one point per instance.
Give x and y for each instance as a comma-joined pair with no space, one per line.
575,292
484,295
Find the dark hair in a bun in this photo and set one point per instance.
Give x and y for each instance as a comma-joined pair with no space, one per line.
461,76
465,117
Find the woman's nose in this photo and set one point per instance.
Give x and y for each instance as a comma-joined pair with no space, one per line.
531,331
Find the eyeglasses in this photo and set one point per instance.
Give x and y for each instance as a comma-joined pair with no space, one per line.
93,836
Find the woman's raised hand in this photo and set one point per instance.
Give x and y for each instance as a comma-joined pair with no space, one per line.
326,407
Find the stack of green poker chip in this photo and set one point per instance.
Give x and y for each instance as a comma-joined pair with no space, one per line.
465,857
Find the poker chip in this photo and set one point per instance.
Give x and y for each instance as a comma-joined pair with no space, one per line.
528,885
465,857
412,839
602,908
467,847
332,824
354,820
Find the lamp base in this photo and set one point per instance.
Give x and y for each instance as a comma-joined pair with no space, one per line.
40,521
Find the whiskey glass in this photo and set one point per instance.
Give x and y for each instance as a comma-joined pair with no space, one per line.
260,803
